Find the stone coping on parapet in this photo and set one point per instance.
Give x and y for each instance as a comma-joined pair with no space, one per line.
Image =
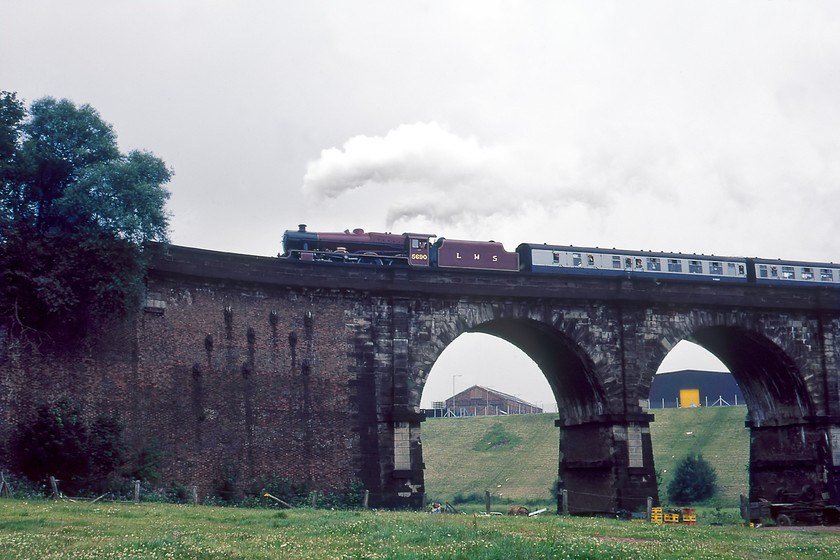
204,265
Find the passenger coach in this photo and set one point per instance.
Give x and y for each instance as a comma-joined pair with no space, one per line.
795,273
553,259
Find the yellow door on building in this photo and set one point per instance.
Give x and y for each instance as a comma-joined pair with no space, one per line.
689,398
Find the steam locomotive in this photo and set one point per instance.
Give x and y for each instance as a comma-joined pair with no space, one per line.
388,249
427,251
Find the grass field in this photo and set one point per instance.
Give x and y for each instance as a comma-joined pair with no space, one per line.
466,456
44,530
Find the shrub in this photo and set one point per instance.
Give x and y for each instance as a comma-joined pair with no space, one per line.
22,488
147,463
177,493
496,437
472,498
59,443
299,493
106,449
225,487
694,481
55,444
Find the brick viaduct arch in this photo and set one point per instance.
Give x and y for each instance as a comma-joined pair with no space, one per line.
316,372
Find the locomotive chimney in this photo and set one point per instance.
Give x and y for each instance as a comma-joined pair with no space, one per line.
301,228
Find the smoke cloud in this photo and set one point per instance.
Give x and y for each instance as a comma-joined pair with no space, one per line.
427,172
412,158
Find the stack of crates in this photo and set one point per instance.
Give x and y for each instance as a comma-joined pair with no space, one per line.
687,516
656,515
671,517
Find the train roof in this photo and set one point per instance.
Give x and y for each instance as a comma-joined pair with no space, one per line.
780,262
628,253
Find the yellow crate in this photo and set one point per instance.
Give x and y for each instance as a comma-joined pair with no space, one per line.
656,518
671,517
655,511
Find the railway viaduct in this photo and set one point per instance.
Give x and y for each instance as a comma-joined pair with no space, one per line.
315,372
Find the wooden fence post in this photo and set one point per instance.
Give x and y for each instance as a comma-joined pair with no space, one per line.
5,489
487,501
54,485
649,508
136,492
195,495
565,502
365,499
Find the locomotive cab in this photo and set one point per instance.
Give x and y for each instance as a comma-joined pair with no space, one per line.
418,249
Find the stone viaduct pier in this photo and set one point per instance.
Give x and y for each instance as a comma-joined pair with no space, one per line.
316,371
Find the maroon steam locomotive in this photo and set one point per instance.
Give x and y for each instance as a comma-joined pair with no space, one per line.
389,249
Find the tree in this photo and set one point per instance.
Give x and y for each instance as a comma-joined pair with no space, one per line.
12,113
694,481
75,215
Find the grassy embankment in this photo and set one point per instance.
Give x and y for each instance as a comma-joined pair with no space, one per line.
466,456
44,530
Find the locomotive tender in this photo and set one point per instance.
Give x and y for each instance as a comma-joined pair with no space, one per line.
421,251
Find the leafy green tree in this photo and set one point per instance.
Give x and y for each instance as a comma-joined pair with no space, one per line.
75,215
694,481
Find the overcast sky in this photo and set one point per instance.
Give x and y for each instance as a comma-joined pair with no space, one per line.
686,126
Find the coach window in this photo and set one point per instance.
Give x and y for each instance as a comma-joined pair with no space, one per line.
653,264
695,267
762,271
590,259
774,272
741,270
715,268
730,269
788,273
628,262
616,261
638,263
576,259
674,265
807,273
826,275
555,257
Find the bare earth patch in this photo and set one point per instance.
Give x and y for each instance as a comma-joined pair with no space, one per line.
625,540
